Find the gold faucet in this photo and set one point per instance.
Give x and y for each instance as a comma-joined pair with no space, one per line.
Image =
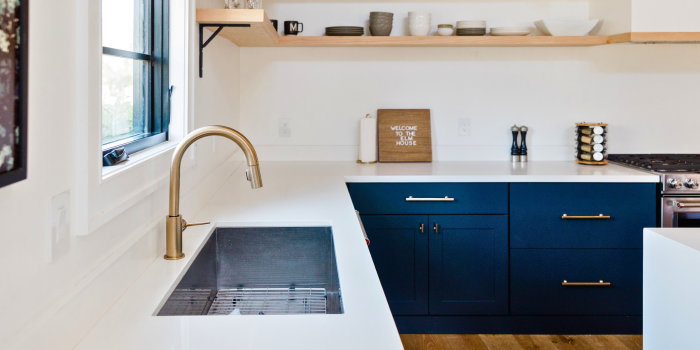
174,223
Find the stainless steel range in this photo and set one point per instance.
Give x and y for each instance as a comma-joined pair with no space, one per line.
680,184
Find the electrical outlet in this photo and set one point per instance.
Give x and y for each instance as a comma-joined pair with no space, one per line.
465,127
58,235
285,127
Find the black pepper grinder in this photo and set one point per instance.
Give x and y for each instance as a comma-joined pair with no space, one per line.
523,144
515,151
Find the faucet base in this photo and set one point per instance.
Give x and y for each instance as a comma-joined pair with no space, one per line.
166,257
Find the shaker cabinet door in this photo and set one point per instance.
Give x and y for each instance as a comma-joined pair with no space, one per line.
400,253
468,265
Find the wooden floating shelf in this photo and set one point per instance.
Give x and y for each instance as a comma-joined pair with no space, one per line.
261,33
440,41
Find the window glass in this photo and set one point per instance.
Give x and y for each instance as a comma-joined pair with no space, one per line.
125,25
124,92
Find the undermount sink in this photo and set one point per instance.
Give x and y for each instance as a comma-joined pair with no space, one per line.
260,271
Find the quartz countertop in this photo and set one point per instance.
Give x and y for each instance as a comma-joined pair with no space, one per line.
299,193
671,307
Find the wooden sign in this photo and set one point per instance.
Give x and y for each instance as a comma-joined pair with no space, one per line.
404,135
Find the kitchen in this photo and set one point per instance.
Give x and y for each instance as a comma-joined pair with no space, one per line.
106,271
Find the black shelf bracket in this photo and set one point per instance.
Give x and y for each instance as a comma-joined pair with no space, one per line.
203,44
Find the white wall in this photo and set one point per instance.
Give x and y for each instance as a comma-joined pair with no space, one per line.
647,93
52,305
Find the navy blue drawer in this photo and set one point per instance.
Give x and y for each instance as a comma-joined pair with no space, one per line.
537,276
536,211
390,198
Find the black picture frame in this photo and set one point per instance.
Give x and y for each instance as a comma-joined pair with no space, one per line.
19,169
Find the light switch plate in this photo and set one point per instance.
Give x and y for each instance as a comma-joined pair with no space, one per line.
58,235
465,127
285,127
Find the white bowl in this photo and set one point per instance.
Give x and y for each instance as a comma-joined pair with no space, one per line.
418,22
471,24
418,13
446,31
566,28
415,30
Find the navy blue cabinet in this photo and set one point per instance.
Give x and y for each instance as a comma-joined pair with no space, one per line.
400,253
468,265
537,210
390,198
537,277
494,259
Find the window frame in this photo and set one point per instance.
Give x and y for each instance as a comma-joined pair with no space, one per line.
159,93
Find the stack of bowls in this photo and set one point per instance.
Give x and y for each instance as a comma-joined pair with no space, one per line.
419,23
381,23
345,31
471,28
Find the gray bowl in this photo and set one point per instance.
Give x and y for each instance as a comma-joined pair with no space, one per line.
380,30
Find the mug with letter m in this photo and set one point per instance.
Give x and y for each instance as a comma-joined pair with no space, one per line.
293,27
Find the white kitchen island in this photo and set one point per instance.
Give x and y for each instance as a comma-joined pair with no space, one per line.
300,193
671,288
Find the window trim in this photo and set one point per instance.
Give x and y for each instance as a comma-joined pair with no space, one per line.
159,81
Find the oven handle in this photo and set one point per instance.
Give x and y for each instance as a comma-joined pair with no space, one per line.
687,205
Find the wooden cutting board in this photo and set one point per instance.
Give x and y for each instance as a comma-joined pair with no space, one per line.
404,135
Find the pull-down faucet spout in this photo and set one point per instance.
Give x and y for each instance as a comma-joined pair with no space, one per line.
174,223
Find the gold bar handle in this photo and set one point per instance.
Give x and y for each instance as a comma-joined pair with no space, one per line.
446,199
599,217
688,205
422,228
585,284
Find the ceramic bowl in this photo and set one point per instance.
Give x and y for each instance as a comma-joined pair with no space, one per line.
380,30
419,30
471,24
379,13
445,31
566,28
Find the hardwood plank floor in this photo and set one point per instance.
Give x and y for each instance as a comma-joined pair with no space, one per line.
519,342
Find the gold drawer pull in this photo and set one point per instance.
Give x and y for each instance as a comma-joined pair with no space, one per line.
446,199
586,284
688,205
599,217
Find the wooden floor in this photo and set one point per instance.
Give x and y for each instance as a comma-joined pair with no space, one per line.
518,342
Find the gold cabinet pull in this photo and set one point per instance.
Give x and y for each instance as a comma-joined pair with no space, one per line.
599,217
436,228
688,205
446,199
422,228
586,284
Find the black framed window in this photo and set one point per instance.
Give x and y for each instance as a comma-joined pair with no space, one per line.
135,94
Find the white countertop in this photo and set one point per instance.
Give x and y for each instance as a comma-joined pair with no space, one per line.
495,172
305,192
671,304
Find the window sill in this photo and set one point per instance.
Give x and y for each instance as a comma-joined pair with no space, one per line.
136,159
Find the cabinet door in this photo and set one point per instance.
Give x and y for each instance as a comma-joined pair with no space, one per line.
469,265
400,253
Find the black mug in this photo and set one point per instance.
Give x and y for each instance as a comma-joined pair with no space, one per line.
292,27
274,24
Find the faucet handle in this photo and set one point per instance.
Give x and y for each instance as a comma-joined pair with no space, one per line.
185,225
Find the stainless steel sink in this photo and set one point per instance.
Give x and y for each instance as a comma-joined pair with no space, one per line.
260,271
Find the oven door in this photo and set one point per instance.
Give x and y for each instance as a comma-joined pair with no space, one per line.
680,212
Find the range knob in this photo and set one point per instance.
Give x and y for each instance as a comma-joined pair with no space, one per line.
674,184
692,184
